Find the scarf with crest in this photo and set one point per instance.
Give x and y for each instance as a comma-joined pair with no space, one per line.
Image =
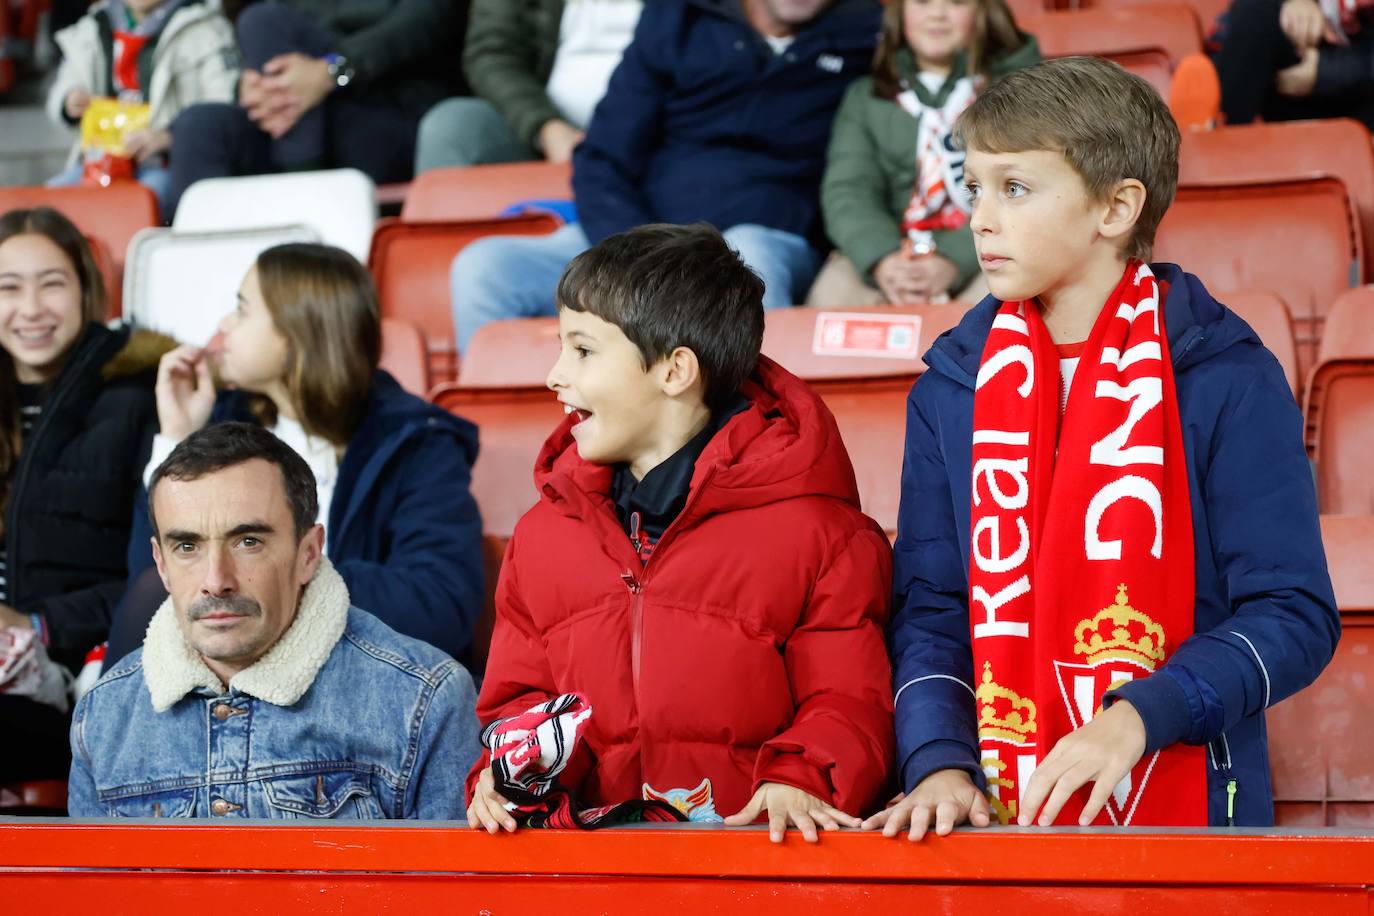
1080,563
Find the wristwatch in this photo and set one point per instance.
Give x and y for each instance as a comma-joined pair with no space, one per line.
339,70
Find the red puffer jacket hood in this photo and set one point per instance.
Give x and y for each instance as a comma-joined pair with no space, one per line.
785,445
747,649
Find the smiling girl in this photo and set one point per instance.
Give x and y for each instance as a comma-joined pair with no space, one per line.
891,192
76,417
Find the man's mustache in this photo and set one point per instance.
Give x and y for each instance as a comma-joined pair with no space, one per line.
233,604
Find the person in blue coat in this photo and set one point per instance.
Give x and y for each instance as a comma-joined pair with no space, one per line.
301,349
1264,617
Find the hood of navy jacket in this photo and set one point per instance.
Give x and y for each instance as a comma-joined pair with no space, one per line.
784,445
1197,326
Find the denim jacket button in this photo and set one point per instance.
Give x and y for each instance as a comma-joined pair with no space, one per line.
223,711
219,807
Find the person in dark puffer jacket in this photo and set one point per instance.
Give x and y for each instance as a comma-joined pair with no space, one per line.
78,413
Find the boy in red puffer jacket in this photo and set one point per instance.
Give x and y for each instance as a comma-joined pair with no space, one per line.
697,566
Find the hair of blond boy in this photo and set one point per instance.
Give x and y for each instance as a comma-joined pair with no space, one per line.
1109,124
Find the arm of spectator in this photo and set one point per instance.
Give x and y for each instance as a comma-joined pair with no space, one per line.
77,621
609,164
445,749
854,191
411,30
839,747
82,798
500,60
73,87
430,583
1284,625
929,639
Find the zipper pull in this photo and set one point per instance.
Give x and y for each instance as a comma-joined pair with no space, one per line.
1231,802
630,582
634,533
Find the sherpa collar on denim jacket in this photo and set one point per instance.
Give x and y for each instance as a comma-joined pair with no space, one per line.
173,669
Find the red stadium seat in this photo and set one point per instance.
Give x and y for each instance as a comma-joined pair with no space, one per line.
511,354
1340,407
1268,316
482,192
404,355
1321,757
1148,41
1287,150
867,394
113,215
410,263
1232,237
1207,10
513,424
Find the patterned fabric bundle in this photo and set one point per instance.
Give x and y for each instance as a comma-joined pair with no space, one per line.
530,750
1081,562
937,201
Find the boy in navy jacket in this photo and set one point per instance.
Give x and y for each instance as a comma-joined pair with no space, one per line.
1108,562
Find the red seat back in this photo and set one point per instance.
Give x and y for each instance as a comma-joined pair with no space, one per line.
410,263
1147,41
1322,760
1268,317
1232,237
1340,407
404,356
511,354
482,192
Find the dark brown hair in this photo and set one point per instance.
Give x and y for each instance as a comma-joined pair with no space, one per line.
59,230
994,35
674,286
225,445
325,304
1109,124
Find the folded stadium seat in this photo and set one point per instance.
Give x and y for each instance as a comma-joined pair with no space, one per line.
183,283
482,192
39,797
113,215
1338,148
404,355
1148,41
340,204
410,263
1298,239
863,362
1340,407
1320,753
1268,316
511,354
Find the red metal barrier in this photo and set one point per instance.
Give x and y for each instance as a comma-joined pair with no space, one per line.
62,867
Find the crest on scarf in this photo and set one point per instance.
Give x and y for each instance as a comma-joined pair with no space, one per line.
697,805
1117,644
1006,733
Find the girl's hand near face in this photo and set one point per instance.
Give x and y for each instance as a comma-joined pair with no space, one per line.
185,392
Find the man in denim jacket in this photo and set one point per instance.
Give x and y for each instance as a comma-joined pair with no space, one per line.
259,691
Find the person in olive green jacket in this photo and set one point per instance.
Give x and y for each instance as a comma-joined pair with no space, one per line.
897,240
537,68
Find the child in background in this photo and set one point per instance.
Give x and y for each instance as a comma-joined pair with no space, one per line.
1108,560
166,53
893,193
697,567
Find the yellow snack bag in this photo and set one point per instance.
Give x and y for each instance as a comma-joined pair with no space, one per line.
108,121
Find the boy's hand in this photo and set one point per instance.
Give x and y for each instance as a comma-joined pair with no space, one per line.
1102,752
1303,23
948,795
788,804
76,103
488,809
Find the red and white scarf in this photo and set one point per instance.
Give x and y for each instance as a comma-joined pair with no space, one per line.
937,201
1081,564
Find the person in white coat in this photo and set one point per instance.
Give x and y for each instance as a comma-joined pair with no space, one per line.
168,53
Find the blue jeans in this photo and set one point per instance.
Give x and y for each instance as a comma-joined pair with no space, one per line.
156,178
515,276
